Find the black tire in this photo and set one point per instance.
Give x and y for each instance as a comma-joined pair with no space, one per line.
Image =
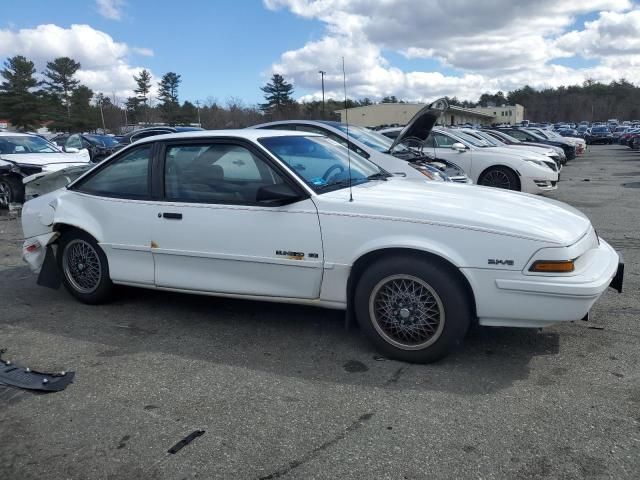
500,177
11,190
452,304
93,275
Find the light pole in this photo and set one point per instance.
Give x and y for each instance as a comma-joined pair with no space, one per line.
198,106
322,74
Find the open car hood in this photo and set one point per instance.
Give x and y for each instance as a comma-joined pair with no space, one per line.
420,126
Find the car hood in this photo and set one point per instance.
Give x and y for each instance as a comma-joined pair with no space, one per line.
541,150
519,153
421,124
462,206
44,158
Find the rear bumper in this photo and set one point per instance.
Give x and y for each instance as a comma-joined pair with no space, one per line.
512,299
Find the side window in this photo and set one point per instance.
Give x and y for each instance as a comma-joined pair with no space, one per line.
124,177
443,141
215,173
430,141
518,134
74,142
151,133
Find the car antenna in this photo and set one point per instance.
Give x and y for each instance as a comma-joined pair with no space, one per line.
346,121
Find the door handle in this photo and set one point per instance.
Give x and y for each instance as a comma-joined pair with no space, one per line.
172,216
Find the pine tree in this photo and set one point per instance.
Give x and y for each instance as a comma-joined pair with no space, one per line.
278,95
60,81
168,95
17,99
83,115
142,92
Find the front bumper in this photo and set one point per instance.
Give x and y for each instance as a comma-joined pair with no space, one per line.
537,185
511,299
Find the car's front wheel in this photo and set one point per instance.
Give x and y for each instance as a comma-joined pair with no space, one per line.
412,309
11,190
84,267
500,177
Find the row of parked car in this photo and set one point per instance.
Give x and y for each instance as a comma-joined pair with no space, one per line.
323,214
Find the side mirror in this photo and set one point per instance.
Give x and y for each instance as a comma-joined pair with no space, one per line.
71,149
279,194
458,147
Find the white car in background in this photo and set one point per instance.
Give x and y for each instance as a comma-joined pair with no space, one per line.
494,142
276,216
490,166
391,155
579,143
23,155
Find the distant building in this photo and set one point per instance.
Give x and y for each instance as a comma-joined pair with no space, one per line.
388,114
510,114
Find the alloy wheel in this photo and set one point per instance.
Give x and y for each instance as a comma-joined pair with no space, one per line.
497,179
81,266
407,312
5,195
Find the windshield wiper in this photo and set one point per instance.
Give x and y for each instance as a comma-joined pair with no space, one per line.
379,176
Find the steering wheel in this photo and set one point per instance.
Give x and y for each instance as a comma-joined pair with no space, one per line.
331,169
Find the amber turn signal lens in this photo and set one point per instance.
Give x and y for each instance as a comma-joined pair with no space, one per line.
553,266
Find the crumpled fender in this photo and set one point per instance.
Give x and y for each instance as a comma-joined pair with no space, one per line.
35,248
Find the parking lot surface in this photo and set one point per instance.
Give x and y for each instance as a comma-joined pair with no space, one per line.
284,391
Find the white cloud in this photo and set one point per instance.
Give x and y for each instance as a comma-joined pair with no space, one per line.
104,62
501,44
145,52
111,9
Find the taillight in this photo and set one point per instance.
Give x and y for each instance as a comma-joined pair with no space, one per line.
32,248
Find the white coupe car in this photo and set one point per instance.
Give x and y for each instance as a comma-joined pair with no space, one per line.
23,155
290,217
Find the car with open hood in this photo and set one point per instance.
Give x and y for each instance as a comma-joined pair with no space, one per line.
23,155
295,217
396,156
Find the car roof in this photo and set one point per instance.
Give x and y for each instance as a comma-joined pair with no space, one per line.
246,133
16,134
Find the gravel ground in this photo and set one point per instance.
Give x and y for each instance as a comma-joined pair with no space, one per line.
285,392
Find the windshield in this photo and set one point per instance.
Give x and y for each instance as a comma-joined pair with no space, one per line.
469,139
103,140
505,136
322,163
600,129
489,139
25,144
372,139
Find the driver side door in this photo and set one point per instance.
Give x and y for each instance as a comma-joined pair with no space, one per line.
212,234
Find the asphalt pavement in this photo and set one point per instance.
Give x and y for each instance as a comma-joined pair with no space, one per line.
283,391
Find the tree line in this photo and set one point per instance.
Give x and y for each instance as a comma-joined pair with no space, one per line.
56,98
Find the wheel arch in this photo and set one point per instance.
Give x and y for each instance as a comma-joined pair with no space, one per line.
362,262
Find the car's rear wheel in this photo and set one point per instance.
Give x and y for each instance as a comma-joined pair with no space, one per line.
414,310
500,177
11,191
84,267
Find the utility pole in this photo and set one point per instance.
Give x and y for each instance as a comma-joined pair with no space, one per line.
322,74
104,129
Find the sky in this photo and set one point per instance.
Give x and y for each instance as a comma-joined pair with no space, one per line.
417,50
